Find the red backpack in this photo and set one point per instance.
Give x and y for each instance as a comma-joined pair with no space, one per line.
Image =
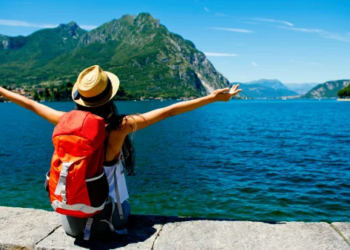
77,183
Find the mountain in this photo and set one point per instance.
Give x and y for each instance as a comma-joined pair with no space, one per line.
148,59
327,90
300,88
271,83
260,91
22,56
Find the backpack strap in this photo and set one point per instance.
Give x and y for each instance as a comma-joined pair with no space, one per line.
87,230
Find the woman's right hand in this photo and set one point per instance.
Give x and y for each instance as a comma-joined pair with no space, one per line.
225,94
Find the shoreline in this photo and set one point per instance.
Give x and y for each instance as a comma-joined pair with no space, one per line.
177,100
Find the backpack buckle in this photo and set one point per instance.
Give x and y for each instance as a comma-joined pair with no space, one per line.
61,185
65,167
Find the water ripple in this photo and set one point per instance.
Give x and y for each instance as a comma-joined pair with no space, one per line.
251,160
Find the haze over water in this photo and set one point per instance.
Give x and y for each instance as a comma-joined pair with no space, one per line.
251,160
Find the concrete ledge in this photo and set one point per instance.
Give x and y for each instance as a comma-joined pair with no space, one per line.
22,228
37,229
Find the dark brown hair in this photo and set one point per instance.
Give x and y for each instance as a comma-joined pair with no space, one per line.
109,113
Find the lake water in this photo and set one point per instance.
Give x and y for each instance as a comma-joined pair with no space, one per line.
247,160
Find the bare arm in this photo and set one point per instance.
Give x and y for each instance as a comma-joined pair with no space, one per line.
45,112
136,122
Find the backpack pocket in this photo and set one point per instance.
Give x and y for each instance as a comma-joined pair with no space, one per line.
98,189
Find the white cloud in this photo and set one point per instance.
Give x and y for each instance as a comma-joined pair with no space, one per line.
25,24
17,23
219,54
234,30
302,29
206,9
88,27
274,21
254,64
323,33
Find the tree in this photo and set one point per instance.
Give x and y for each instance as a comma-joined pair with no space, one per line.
57,95
35,95
46,94
345,92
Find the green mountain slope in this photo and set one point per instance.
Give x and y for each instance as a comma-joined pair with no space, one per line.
21,56
148,59
327,90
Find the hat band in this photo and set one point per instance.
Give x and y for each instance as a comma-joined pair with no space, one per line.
98,97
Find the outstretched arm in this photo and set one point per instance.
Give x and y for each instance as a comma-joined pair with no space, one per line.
45,112
136,122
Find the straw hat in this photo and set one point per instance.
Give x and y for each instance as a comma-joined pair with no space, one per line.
95,87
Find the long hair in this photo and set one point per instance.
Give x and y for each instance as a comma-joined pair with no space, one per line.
109,113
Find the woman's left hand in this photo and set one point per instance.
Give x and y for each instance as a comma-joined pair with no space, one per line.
225,94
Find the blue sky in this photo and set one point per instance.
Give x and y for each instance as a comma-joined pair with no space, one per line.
293,41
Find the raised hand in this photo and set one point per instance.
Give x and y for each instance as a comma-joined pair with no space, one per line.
226,93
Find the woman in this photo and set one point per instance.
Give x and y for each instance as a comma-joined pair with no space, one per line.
93,92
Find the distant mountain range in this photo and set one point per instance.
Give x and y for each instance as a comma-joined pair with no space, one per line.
327,90
270,83
270,89
266,88
300,88
148,59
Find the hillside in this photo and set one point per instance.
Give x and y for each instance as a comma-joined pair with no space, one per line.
327,90
148,59
22,58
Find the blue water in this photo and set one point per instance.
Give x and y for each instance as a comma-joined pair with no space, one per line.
251,160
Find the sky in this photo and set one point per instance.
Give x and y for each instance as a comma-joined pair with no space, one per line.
299,41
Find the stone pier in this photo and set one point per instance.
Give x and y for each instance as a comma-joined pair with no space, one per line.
22,228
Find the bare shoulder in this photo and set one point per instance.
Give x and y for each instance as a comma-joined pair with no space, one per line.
115,143
116,134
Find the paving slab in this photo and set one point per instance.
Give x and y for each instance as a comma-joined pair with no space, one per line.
24,228
248,235
143,231
344,230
